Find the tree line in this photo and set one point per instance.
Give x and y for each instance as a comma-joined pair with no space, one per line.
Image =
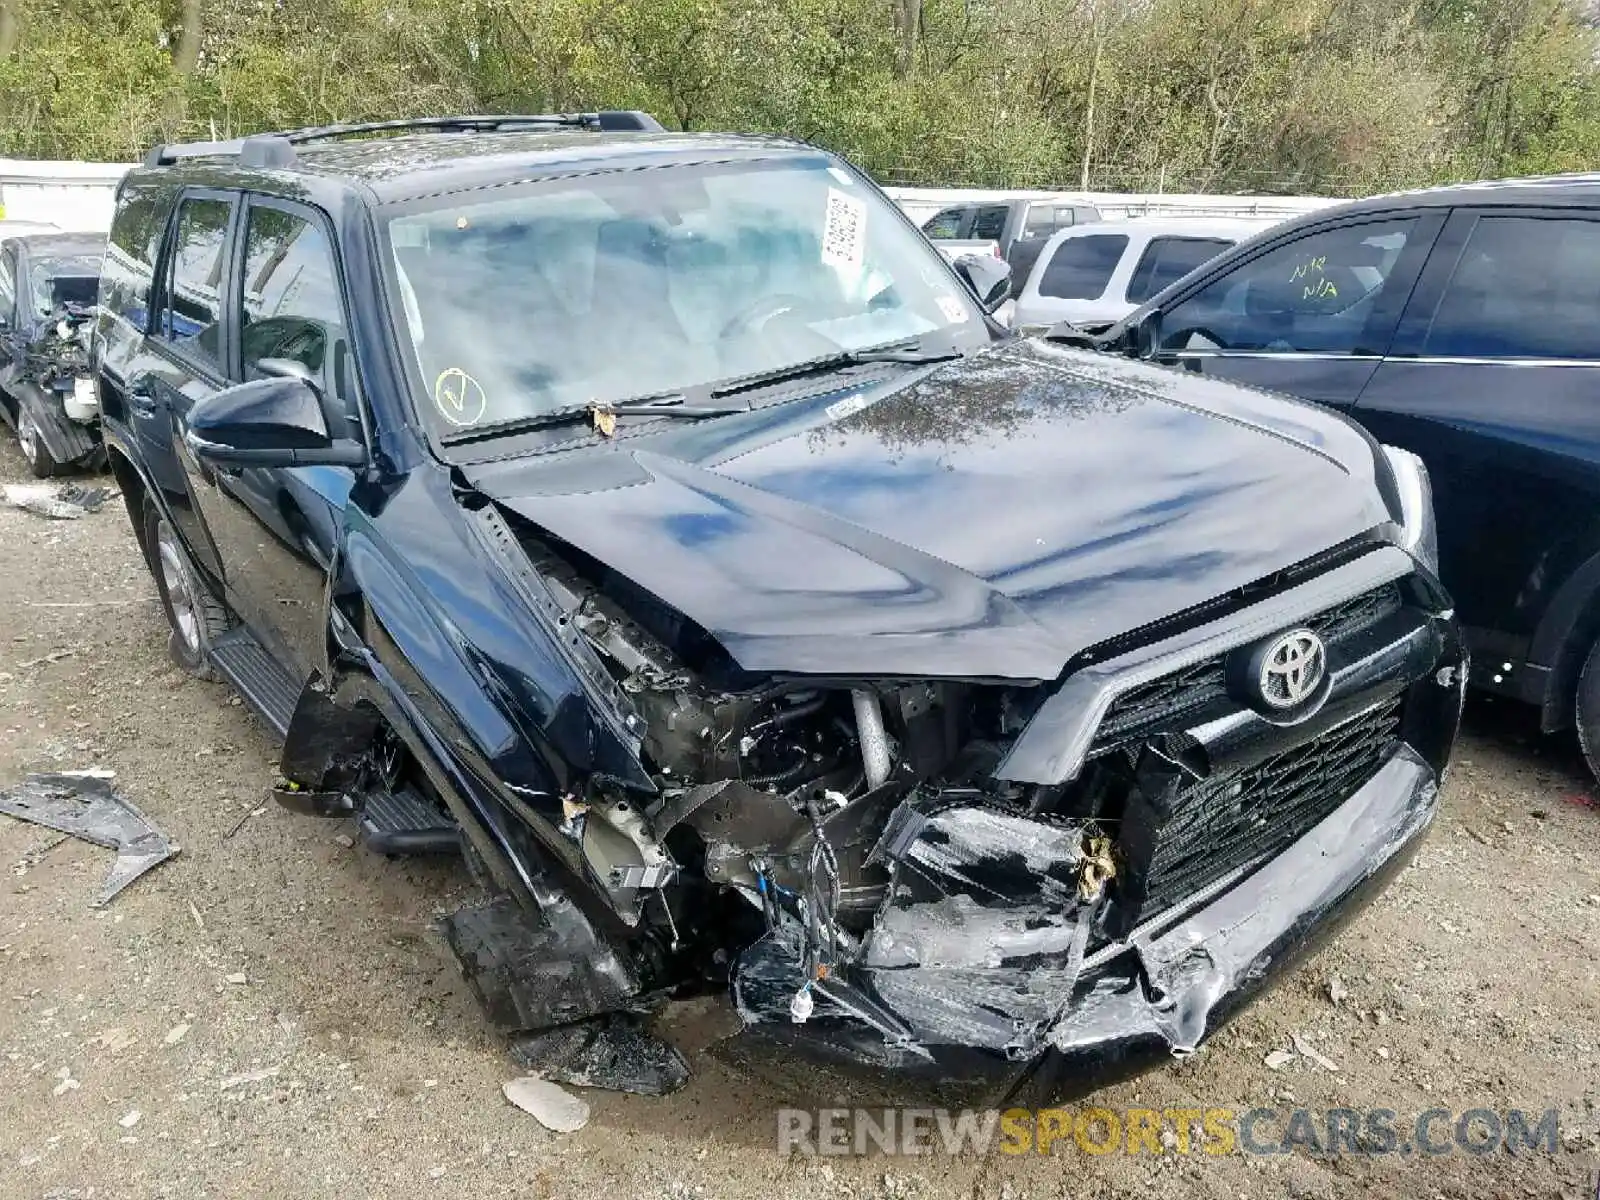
1340,97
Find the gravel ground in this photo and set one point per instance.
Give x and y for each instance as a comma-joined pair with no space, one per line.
271,1013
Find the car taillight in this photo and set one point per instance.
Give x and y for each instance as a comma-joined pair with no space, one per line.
995,246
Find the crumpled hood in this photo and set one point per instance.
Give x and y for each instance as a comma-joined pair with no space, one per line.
991,518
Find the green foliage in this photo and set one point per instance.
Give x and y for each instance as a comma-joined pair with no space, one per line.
1336,96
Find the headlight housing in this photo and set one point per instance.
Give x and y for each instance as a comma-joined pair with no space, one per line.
1418,535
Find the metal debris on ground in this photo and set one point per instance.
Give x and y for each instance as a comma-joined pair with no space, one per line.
84,805
59,502
613,1052
550,1104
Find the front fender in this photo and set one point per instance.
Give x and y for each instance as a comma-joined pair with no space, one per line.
434,611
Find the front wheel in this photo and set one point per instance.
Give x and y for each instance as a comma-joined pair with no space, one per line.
41,463
196,616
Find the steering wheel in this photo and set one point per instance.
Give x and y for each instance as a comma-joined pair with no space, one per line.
1217,343
753,317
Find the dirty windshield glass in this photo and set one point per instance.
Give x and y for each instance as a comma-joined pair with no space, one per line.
631,283
79,275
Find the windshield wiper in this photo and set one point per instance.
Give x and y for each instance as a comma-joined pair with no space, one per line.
905,351
601,415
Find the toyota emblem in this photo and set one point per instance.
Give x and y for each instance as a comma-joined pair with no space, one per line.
1291,669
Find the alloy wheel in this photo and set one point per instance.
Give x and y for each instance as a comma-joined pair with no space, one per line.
180,593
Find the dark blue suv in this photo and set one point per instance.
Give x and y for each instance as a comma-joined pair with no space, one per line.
661,523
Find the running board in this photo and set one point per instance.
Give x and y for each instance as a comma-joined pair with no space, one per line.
402,822
257,676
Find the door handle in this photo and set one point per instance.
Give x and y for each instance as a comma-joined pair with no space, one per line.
142,399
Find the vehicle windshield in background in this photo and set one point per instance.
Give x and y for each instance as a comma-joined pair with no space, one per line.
626,284
73,279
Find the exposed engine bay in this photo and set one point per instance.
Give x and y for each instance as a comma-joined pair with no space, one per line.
49,382
58,356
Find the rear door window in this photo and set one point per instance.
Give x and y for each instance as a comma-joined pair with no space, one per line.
1315,294
1168,259
946,224
1045,219
191,316
1524,287
130,263
1081,267
990,222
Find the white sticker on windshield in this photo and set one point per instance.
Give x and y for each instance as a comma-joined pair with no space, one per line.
844,233
952,308
840,409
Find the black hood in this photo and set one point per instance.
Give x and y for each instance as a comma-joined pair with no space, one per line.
989,518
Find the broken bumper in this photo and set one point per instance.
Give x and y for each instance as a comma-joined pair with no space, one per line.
1033,1034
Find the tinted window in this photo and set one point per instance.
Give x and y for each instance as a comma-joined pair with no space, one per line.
291,306
1081,266
193,309
1168,259
130,262
1523,287
1315,294
1045,220
946,224
990,222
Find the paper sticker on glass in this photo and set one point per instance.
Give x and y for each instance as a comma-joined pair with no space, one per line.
844,231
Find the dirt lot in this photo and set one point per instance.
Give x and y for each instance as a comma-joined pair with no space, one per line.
1474,982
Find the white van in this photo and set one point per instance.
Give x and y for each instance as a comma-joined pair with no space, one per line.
1094,275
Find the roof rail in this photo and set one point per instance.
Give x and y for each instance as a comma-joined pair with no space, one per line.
277,149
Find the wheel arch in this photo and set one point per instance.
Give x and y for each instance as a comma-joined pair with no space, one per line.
1560,643
132,486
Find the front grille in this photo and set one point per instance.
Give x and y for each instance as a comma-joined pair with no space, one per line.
1156,705
1222,825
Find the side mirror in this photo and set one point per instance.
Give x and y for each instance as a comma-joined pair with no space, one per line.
987,276
272,422
1144,336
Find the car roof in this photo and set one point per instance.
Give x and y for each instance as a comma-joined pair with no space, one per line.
19,228
416,165
52,245
1580,189
1152,227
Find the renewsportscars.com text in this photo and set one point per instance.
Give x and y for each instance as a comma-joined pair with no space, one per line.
1199,1131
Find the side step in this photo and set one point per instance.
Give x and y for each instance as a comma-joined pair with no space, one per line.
404,823
257,676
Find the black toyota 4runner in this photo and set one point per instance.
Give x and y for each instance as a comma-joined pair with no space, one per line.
658,521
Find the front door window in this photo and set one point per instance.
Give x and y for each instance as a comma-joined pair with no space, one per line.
1316,294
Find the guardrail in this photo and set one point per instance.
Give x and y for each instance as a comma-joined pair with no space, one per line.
72,196
921,203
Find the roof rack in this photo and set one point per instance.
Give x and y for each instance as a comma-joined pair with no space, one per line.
277,149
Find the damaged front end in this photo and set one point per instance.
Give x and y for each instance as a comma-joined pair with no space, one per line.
1000,885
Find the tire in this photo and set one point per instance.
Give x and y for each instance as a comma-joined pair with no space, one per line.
41,463
196,617
1588,710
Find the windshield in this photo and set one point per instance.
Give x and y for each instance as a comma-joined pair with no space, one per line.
629,283
79,273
